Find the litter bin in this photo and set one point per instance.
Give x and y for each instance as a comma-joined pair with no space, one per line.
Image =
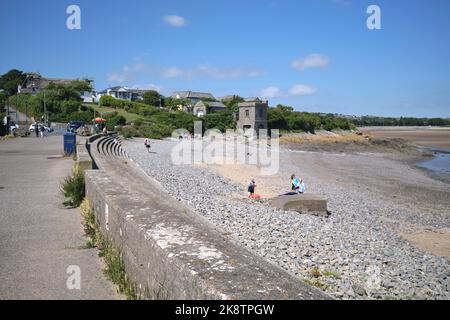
70,142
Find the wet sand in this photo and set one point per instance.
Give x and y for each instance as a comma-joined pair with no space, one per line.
431,137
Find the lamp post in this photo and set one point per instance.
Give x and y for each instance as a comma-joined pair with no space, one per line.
45,110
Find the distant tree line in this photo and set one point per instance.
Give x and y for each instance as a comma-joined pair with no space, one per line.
402,121
285,118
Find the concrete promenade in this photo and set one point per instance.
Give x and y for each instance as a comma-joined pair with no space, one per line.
39,238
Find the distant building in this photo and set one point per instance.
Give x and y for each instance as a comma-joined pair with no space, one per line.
194,97
35,83
252,116
123,93
228,98
201,108
253,99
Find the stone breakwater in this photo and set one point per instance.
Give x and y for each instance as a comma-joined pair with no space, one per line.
357,253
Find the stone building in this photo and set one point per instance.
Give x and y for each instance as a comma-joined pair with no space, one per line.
194,97
202,108
252,117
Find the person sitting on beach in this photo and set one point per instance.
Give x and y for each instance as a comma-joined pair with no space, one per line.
251,187
298,185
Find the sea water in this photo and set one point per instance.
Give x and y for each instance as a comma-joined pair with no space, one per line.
439,164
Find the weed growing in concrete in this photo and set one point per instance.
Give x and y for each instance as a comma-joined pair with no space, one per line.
73,188
115,267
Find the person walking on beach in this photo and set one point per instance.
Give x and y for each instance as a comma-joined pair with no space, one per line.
298,185
42,130
36,129
147,144
251,187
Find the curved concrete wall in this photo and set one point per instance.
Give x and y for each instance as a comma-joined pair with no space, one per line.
169,251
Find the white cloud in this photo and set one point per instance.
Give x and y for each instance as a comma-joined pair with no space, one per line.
128,73
149,86
209,71
271,92
312,61
172,72
175,21
139,69
343,2
302,90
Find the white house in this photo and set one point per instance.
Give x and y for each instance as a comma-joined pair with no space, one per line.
123,93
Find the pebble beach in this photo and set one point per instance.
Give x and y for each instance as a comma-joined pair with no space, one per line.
387,236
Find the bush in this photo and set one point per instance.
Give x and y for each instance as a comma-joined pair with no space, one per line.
129,132
112,122
83,116
155,131
73,188
106,101
70,106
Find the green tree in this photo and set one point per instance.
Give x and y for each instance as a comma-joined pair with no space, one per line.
233,102
221,120
173,104
2,100
152,98
80,86
11,80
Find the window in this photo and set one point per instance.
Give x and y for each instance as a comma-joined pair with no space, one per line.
260,112
247,113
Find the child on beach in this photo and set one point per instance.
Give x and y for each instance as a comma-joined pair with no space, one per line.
298,185
251,187
147,144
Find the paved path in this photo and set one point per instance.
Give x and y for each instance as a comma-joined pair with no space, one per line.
38,236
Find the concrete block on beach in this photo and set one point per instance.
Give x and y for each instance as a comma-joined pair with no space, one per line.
302,203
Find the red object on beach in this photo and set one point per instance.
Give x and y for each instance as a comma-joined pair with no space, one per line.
255,196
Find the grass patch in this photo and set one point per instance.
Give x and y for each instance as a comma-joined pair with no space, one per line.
316,283
112,255
73,188
121,112
331,274
320,138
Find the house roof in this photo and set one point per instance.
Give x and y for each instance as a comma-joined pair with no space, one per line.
210,104
192,94
214,104
253,99
229,97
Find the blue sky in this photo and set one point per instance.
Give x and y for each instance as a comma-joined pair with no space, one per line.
316,55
